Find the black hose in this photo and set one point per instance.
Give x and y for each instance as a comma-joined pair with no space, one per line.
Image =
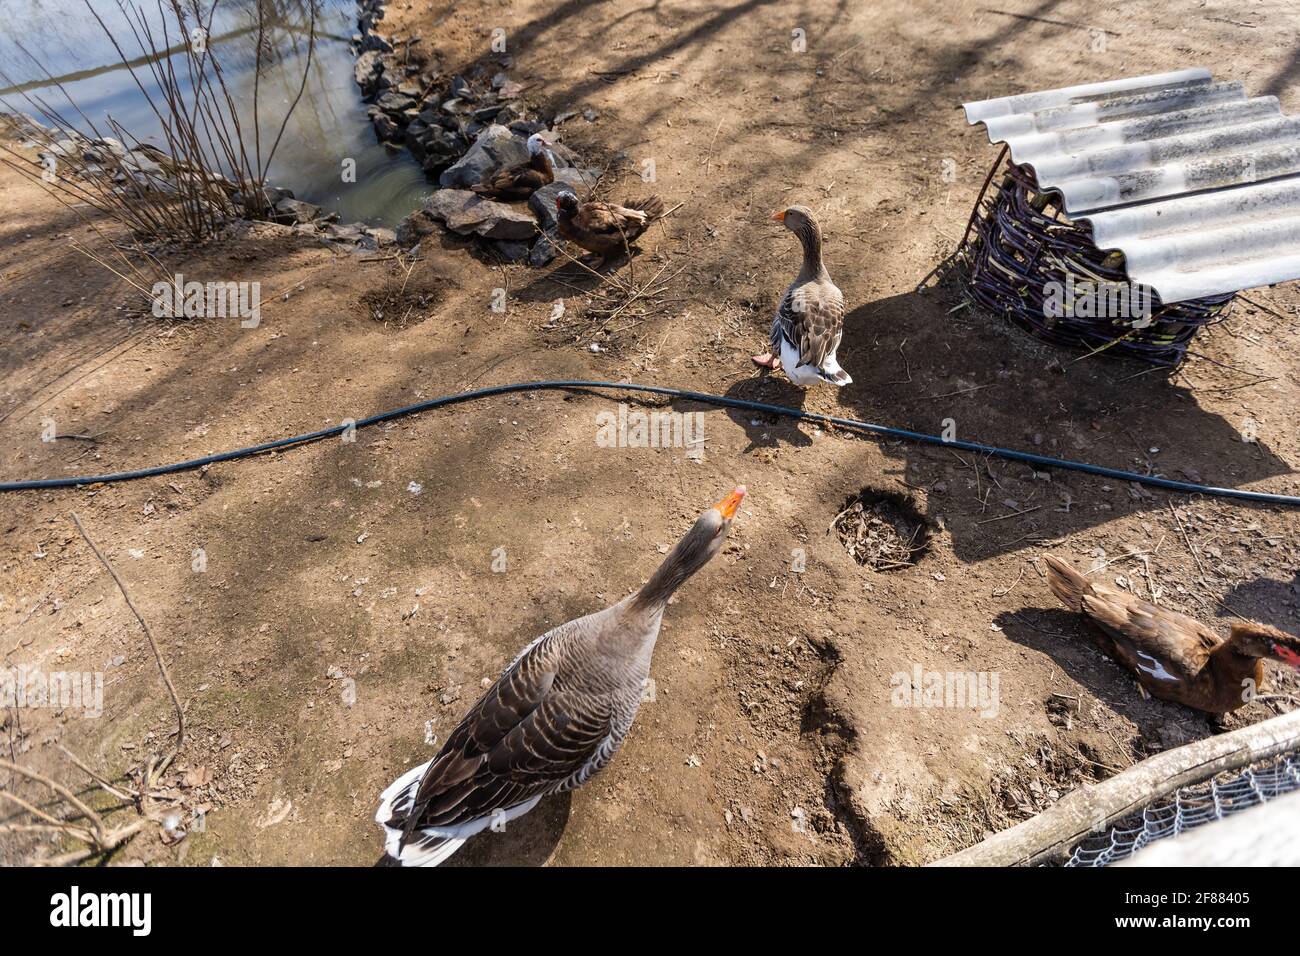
847,423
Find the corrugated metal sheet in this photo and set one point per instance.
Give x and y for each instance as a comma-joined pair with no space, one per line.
1192,180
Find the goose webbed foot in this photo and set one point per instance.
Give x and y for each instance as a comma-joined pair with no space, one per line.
766,360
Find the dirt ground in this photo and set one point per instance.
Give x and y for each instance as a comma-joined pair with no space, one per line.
343,622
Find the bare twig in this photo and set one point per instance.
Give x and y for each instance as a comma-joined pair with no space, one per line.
1014,514
60,789
1186,540
157,653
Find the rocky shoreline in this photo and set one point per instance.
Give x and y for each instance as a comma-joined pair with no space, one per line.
460,129
117,169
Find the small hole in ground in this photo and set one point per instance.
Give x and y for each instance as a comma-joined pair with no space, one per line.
397,303
882,530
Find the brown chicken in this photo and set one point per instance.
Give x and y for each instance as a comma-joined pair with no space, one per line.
605,228
524,179
1173,656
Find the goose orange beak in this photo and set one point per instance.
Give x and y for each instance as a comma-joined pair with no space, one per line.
729,504
779,216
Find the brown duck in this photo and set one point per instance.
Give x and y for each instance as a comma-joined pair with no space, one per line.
521,181
1173,656
605,228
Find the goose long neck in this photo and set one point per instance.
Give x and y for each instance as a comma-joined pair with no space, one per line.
690,554
1234,646
810,237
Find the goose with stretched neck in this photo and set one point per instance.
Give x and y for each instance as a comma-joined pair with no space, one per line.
1174,657
809,321
555,717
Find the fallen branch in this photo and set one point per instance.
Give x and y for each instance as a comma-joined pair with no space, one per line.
157,653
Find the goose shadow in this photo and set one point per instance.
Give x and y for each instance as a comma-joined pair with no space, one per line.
1063,637
529,841
765,429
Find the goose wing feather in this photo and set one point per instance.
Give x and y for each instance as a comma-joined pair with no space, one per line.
526,735
523,178
811,317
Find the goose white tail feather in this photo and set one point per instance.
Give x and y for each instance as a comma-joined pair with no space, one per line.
831,372
425,847
429,846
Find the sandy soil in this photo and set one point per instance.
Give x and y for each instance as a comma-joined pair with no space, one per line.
772,738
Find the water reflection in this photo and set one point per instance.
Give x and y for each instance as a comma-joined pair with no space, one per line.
61,39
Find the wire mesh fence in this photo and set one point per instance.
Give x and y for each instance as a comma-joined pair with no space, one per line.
1191,807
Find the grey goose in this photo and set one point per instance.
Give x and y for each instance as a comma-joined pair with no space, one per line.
554,718
809,320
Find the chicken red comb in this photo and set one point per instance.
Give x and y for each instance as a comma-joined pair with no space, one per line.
1288,655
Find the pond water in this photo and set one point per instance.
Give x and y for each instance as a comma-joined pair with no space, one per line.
45,40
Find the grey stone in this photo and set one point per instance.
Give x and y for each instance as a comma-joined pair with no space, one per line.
460,89
271,195
349,233
385,128
100,149
140,161
468,213
415,130
296,212
542,203
395,103
543,250
511,251
510,114
367,71
439,148
495,148
580,181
